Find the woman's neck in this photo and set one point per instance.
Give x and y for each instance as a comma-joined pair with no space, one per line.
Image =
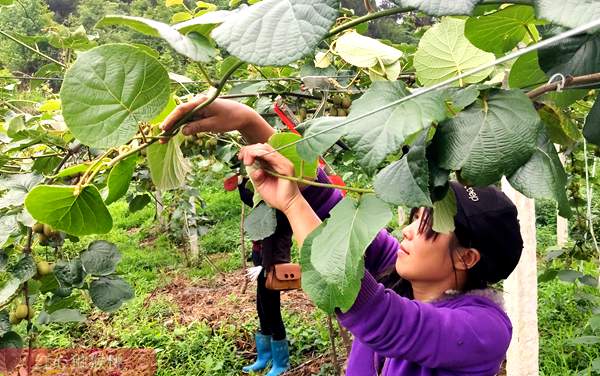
426,291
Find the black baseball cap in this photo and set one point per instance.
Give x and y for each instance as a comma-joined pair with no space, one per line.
486,220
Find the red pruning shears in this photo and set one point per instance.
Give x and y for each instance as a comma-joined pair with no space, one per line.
289,119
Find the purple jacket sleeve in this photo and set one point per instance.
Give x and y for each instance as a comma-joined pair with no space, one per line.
435,337
322,200
381,253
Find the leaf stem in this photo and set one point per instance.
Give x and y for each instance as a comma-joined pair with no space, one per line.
316,183
367,17
31,48
206,75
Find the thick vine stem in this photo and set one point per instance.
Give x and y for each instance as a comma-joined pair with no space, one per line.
569,82
316,183
367,17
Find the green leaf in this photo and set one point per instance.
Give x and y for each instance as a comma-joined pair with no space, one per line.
101,258
110,292
365,52
109,90
439,7
9,289
384,132
313,147
405,182
444,212
69,273
119,179
139,202
302,168
24,269
444,52
559,126
168,166
205,23
589,280
6,2
569,13
543,176
194,46
591,130
82,213
595,322
4,323
586,340
500,31
575,56
526,72
261,222
569,275
332,255
62,316
299,26
73,170
46,165
388,72
18,186
490,139
11,346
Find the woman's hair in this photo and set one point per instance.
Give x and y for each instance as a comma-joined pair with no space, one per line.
475,276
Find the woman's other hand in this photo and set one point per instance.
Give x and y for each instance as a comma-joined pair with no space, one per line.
220,116
278,193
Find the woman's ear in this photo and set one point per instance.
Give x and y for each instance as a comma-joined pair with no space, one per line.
467,258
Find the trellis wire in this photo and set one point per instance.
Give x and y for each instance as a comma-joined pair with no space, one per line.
446,83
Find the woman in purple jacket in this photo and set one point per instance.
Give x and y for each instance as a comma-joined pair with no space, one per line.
424,307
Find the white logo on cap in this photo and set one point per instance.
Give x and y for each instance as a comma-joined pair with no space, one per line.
472,194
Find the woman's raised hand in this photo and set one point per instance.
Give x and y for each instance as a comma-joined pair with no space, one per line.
220,116
278,193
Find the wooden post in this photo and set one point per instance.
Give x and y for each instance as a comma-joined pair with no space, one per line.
562,224
520,294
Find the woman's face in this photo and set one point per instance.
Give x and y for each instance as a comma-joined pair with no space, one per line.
421,259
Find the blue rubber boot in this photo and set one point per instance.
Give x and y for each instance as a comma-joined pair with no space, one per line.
281,357
264,356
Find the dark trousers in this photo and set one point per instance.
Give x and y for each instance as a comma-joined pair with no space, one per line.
268,305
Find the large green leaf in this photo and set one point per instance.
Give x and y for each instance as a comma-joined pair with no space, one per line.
569,13
119,179
441,7
576,56
560,127
194,46
332,256
139,202
526,72
365,52
543,176
6,2
313,147
490,139
76,213
382,133
261,222
444,212
109,90
405,182
101,258
61,315
9,289
110,292
168,166
591,130
500,31
276,32
24,269
69,273
11,345
302,168
444,52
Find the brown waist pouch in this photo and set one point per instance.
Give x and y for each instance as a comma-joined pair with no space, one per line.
284,277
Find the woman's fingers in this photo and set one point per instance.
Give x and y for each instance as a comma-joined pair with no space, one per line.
203,125
180,111
266,154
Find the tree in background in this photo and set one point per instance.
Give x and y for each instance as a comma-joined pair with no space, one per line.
25,17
